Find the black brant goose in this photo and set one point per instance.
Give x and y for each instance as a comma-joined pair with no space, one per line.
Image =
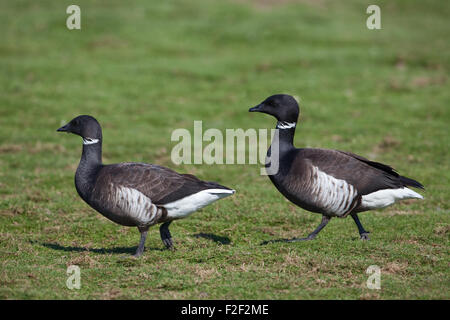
330,182
136,194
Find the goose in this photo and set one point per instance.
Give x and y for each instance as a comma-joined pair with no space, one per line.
136,194
329,182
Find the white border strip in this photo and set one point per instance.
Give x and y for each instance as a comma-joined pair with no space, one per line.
87,141
285,125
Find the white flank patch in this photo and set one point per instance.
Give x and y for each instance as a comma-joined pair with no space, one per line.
386,197
90,141
285,125
185,206
333,195
136,205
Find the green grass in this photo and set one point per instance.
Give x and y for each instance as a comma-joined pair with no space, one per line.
145,68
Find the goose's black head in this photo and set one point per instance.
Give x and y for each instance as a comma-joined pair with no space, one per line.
282,106
85,126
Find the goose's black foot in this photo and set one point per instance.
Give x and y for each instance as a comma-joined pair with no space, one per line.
301,239
169,244
166,236
138,253
365,235
311,236
272,241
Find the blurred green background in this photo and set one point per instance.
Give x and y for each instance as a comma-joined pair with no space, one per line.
145,68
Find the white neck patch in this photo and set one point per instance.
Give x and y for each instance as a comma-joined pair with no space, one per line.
285,125
87,141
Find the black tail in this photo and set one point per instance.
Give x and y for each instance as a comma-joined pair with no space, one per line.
411,183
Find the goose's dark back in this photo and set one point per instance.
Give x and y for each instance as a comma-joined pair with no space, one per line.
160,184
365,175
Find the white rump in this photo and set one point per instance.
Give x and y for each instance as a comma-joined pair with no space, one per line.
386,197
185,206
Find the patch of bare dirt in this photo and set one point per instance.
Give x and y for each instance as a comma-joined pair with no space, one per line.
398,84
369,296
38,147
111,294
46,147
82,260
424,81
6,213
394,267
10,148
395,212
386,144
107,42
267,4
442,230
204,273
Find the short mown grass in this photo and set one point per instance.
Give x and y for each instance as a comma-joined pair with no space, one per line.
145,68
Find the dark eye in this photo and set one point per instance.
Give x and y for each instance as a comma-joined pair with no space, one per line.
75,122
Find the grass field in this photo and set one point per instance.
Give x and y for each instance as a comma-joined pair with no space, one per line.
145,68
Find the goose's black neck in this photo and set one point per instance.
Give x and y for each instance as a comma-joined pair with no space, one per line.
280,151
90,164
286,132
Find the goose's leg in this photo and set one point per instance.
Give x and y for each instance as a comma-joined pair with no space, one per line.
165,235
140,248
362,232
312,235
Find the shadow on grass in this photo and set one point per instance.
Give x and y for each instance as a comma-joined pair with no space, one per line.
213,237
121,250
